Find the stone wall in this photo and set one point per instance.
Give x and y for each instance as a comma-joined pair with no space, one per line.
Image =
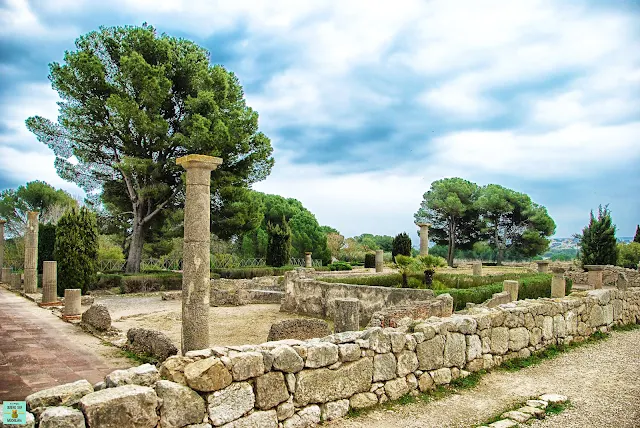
300,383
399,315
238,292
307,296
609,276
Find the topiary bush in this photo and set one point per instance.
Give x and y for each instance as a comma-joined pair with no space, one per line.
46,244
401,244
369,260
76,250
339,266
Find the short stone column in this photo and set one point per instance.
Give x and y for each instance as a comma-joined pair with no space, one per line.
595,275
477,268
346,315
543,266
424,238
512,287
2,222
307,260
6,275
31,253
379,260
49,282
196,274
72,303
16,281
558,283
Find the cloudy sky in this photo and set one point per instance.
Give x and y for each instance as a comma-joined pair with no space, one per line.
367,102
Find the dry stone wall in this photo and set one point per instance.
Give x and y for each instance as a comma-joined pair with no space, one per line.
403,315
293,383
609,276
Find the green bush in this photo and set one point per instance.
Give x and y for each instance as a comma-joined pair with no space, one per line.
46,244
462,296
339,266
369,260
108,250
252,272
279,243
401,244
76,250
229,261
154,282
107,281
629,254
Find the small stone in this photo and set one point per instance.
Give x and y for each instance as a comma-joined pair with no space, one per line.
99,386
268,419
246,365
553,398
321,355
396,388
504,423
285,410
290,379
412,381
286,359
349,352
173,369
384,367
398,340
144,375
516,416
533,411
537,403
363,400
310,415
199,354
334,410
97,316
425,382
407,363
207,375
441,376
379,340
61,417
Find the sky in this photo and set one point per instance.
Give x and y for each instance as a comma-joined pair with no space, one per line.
367,103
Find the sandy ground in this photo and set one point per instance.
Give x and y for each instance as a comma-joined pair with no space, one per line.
239,325
601,380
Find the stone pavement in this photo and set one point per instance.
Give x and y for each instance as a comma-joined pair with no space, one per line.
39,350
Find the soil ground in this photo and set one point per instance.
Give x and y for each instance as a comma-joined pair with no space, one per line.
602,381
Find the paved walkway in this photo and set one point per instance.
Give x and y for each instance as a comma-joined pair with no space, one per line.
39,350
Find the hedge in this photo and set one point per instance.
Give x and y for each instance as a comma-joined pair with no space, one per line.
140,283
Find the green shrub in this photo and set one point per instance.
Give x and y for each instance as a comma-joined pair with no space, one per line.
225,261
415,283
369,260
46,244
279,243
470,295
154,282
76,250
108,250
107,281
401,244
339,266
252,272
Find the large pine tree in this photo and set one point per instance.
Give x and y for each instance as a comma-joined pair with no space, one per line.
598,240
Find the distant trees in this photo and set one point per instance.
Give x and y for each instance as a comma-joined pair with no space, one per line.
629,254
598,239
462,215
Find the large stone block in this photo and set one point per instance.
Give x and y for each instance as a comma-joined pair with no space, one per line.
407,363
346,315
499,340
299,328
454,350
379,340
124,406
321,355
152,342
348,352
518,338
323,385
431,353
286,359
384,367
145,375
207,375
61,417
97,316
271,390
179,405
246,365
68,394
230,403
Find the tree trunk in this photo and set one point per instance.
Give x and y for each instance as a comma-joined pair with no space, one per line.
500,256
135,248
405,283
452,242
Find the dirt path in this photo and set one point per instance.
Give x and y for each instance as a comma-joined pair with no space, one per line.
601,380
238,325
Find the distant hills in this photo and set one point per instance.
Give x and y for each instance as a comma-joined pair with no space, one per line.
572,243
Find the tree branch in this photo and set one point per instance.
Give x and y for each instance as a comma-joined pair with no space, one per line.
159,207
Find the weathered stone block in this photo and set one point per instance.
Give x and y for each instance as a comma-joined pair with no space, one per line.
363,400
379,340
518,338
348,352
62,395
144,375
208,375
474,347
152,342
407,363
431,353
396,388
499,340
61,417
173,369
268,419
271,390
246,365
441,376
230,403
98,317
321,355
286,359
425,382
123,406
454,350
384,367
334,410
179,406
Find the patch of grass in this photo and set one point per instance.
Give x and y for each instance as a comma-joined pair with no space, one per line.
354,413
468,382
555,408
626,327
138,358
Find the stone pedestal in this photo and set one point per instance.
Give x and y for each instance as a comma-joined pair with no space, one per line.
595,275
196,274
512,287
72,303
307,260
16,281
379,260
31,253
49,282
477,268
347,315
2,222
424,238
543,266
558,283
6,275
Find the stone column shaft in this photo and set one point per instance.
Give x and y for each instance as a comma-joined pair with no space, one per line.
558,283
196,274
424,238
512,287
72,302
6,275
543,266
2,222
16,281
31,253
379,260
308,262
594,275
346,315
49,282
477,269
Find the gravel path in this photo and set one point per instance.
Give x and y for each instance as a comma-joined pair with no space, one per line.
601,380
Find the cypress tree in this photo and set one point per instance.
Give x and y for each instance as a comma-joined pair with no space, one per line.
598,240
401,245
637,237
46,243
76,250
279,243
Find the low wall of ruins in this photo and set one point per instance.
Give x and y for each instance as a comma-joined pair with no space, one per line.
301,383
609,276
305,295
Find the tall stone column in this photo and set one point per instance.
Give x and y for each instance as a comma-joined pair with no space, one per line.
379,260
543,266
49,282
16,281
31,253
512,287
196,275
307,260
558,283
5,276
72,303
595,275
477,268
2,222
424,238
347,315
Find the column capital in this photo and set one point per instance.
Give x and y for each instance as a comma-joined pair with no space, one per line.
423,224
32,215
199,161
2,222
